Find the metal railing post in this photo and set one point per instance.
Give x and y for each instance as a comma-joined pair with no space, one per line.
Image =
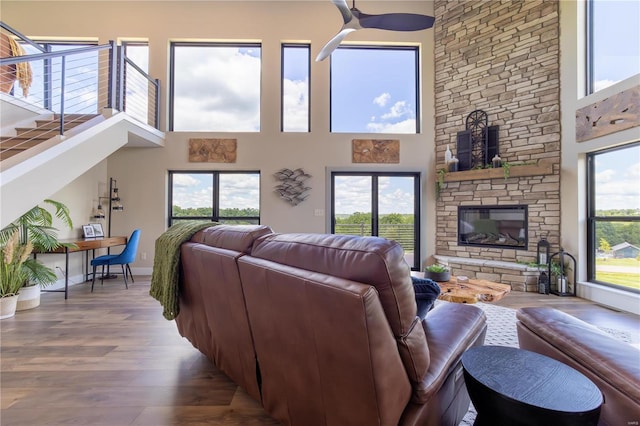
157,112
121,79
62,77
113,78
48,82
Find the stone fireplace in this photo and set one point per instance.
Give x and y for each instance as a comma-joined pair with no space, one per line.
501,58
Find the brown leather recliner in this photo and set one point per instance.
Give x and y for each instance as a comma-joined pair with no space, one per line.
212,315
337,339
612,365
322,329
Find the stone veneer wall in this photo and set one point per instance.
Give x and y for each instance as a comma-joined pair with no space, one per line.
501,57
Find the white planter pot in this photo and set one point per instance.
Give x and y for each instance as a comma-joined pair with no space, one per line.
8,306
28,298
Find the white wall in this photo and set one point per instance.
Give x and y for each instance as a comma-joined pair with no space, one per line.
141,173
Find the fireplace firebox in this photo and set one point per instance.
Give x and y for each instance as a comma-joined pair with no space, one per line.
493,226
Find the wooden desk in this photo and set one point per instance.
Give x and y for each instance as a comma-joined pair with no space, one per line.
82,245
471,291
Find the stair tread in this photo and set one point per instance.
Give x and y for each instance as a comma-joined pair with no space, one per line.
39,137
20,144
52,125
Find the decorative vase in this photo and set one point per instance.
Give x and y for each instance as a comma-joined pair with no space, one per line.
438,276
28,298
8,306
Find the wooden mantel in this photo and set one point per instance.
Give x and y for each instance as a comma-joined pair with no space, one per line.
543,167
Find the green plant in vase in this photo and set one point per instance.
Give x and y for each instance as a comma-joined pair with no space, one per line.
35,227
437,272
13,270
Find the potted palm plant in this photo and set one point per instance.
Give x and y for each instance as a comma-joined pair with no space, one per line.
36,228
13,273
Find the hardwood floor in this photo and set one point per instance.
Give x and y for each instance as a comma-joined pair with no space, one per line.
110,358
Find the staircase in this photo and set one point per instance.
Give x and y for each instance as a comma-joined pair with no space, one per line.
30,137
37,159
29,175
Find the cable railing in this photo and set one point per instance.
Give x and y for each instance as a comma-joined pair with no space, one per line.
75,84
402,233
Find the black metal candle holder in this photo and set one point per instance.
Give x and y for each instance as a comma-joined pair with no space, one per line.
559,291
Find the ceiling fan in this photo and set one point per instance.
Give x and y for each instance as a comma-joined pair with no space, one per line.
356,20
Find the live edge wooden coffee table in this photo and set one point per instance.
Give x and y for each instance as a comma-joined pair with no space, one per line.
470,291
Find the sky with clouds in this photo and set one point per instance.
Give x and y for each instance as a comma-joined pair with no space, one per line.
618,179
240,190
372,91
616,41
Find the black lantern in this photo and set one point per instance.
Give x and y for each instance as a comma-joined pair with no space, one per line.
543,251
543,283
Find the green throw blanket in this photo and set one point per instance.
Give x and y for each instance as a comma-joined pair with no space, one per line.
165,278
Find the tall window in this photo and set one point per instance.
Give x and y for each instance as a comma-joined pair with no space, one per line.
380,204
215,87
136,86
226,197
613,45
295,87
375,90
614,217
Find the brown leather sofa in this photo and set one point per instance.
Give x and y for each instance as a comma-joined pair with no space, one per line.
322,329
612,365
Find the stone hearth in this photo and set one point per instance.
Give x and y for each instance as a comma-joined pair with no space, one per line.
520,276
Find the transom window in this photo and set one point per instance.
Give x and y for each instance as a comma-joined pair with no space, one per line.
375,89
226,197
295,87
613,45
379,204
215,87
613,220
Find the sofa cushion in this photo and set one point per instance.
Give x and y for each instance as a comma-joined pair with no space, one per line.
326,352
370,260
232,237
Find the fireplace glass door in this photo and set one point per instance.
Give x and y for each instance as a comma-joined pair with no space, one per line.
493,226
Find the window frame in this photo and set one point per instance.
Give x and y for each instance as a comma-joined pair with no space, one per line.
590,70
414,48
593,219
375,226
215,176
172,78
306,46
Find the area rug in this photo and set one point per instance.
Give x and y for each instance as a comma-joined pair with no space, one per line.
501,331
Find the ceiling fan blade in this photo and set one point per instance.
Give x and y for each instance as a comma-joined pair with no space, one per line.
333,44
343,7
396,21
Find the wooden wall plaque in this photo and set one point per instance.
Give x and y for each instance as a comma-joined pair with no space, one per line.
613,114
213,150
375,151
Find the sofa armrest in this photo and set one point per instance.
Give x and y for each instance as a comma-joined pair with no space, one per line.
451,329
612,365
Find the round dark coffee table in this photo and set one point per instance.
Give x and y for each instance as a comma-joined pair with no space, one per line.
510,386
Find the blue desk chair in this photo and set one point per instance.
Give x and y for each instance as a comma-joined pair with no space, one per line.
123,259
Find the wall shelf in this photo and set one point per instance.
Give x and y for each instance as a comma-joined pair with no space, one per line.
542,168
